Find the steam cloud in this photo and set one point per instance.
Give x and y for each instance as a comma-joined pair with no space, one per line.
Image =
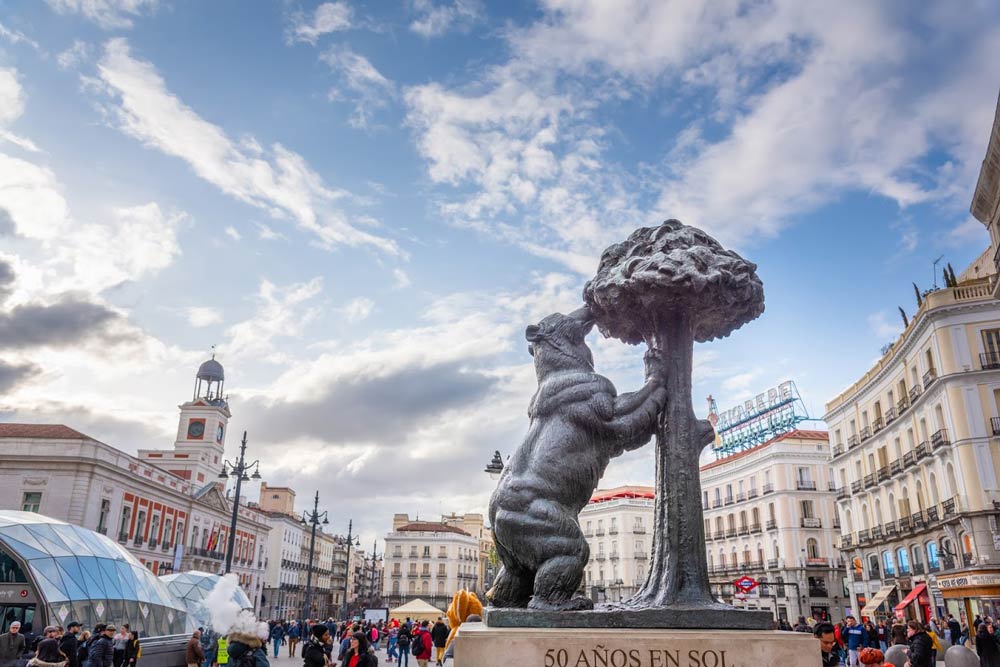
227,616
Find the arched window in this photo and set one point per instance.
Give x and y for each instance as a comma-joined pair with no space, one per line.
865,518
920,497
892,507
743,519
878,512
888,564
812,548
395,588
770,511
425,587
932,557
711,560
731,521
777,551
903,560
755,513
923,429
440,588
950,478
967,547
917,560
747,558
939,417
873,566
412,587
718,525
760,552
932,489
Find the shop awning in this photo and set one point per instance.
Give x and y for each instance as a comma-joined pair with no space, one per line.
877,600
917,590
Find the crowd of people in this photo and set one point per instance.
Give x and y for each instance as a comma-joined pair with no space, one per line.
852,643
326,644
72,646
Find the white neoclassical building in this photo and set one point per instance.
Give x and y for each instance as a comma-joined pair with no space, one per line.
617,524
432,560
916,451
168,507
770,514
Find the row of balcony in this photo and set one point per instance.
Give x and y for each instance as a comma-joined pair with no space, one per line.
914,523
986,361
800,485
943,564
938,441
427,575
771,564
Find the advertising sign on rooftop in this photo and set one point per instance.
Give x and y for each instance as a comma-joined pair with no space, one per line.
753,422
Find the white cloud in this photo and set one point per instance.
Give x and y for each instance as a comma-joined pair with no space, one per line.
400,278
17,37
276,180
358,309
233,233
370,88
11,96
883,329
329,17
266,233
108,14
792,108
280,312
203,316
434,19
77,53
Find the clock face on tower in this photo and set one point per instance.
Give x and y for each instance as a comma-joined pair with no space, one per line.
218,433
196,429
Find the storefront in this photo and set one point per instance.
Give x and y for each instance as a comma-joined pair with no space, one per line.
970,592
916,605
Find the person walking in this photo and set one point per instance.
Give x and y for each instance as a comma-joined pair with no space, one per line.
403,639
987,647
293,638
12,645
921,646
246,649
47,653
221,651
194,652
277,635
422,645
855,637
358,652
898,635
133,650
439,635
314,648
102,648
120,639
83,652
828,653
390,645
70,645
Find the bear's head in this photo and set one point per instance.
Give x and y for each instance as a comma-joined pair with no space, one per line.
557,342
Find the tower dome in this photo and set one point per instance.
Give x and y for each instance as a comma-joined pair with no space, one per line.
209,381
211,371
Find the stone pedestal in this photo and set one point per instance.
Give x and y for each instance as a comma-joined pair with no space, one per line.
477,645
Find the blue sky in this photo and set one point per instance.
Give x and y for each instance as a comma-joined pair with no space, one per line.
363,204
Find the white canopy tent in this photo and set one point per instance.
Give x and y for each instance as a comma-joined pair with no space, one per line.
417,610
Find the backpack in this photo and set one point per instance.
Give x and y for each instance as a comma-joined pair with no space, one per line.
248,659
403,638
374,634
417,646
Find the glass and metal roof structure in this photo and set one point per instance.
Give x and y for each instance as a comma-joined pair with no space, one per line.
83,576
192,587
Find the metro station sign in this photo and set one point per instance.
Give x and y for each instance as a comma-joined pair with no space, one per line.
746,584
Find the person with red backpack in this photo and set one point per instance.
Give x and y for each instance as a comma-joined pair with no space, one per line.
374,637
422,645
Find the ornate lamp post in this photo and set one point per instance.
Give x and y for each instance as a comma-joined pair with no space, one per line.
238,470
315,518
351,541
375,559
495,466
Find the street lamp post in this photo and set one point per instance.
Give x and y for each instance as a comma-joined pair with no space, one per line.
239,471
495,466
347,571
315,518
375,558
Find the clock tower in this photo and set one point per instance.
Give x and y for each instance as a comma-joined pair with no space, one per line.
201,430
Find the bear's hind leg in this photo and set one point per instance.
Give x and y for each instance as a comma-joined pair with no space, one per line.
510,589
557,581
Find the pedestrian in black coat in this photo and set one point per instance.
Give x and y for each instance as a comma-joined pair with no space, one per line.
921,645
986,646
314,650
70,645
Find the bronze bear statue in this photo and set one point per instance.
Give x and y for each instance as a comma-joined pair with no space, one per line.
578,423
